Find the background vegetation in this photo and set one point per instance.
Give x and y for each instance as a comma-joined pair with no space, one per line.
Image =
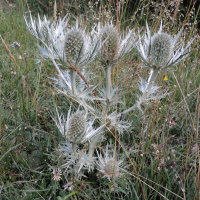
163,145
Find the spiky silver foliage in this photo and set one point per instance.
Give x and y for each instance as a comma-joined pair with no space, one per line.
161,51
45,31
114,44
63,85
148,95
108,165
121,125
75,162
113,99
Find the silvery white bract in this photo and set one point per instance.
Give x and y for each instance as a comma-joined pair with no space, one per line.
45,31
108,165
77,128
121,125
82,93
112,100
109,37
161,51
74,162
148,95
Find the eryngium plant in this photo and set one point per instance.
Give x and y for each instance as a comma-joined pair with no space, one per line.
73,48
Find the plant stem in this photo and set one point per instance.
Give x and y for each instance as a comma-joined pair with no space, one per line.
92,145
108,82
73,81
152,77
74,148
108,87
126,111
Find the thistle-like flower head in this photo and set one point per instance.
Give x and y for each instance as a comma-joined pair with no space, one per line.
113,44
108,165
76,44
161,50
77,128
109,49
73,129
68,45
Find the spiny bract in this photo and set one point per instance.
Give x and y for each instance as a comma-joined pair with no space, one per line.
108,165
111,168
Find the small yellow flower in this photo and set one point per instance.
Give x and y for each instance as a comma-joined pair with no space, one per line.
165,79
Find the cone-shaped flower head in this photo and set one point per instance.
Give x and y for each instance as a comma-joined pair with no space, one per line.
110,36
77,128
108,165
73,129
113,44
161,50
74,43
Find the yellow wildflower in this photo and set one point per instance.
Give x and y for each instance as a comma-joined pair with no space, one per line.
165,79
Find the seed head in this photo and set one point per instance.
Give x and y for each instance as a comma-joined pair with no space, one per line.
74,43
161,49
